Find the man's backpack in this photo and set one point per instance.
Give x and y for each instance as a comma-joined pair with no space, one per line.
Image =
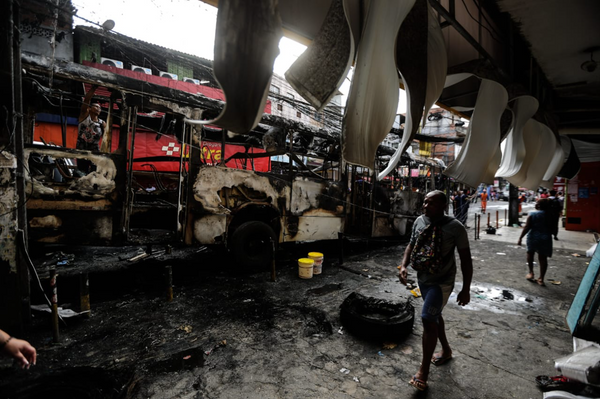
427,253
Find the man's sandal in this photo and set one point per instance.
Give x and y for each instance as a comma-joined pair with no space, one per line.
438,360
417,383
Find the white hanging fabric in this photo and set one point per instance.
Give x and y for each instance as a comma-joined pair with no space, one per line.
479,156
246,45
513,155
373,98
436,66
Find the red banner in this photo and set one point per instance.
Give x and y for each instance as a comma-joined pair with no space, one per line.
163,153
211,154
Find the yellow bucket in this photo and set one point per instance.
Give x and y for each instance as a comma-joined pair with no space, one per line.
318,258
305,268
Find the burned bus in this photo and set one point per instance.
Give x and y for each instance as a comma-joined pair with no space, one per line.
161,178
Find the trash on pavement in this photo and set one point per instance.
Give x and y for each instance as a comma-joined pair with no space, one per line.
356,379
389,345
559,382
500,253
186,328
416,292
64,313
380,353
590,252
407,350
344,371
218,345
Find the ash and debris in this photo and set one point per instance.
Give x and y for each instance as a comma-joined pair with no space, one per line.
235,333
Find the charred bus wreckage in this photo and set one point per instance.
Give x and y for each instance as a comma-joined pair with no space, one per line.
282,182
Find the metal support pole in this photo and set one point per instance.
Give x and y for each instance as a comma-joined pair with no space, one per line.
223,137
54,302
341,248
506,217
497,211
169,281
489,220
84,295
273,269
479,227
475,227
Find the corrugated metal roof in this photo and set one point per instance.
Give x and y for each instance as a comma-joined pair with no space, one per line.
130,41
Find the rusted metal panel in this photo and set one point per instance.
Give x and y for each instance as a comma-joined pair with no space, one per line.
70,205
67,209
96,185
312,226
407,203
208,229
66,227
383,226
8,226
45,222
405,206
308,194
211,180
313,210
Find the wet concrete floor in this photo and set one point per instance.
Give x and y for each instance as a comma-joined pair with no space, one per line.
236,334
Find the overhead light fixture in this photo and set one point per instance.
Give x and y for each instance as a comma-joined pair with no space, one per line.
591,65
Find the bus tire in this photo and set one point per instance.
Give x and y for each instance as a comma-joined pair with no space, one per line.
376,319
251,244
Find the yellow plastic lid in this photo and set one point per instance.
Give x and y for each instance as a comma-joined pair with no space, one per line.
315,255
306,262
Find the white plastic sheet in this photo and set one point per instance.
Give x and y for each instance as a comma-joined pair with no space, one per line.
532,135
513,155
558,160
246,45
539,165
437,66
479,157
373,98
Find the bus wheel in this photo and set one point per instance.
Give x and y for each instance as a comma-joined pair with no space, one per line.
251,244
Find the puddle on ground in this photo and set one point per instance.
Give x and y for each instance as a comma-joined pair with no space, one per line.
498,299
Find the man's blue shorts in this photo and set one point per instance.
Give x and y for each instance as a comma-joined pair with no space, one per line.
435,297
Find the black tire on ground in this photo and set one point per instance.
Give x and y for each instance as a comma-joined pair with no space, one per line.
251,244
376,319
